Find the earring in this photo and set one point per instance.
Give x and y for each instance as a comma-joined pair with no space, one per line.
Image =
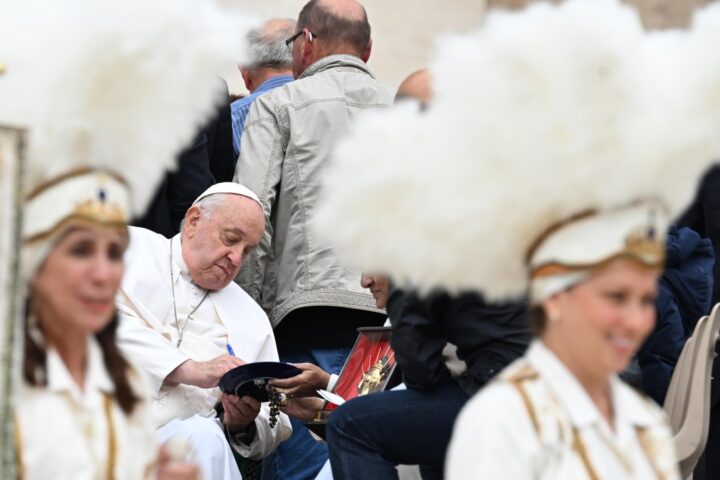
33,326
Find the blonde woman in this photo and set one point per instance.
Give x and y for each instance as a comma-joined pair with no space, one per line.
561,411
559,143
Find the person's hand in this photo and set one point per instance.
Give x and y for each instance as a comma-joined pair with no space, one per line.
169,469
303,409
211,371
204,374
305,384
239,411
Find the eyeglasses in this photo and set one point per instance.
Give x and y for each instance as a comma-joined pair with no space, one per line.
311,37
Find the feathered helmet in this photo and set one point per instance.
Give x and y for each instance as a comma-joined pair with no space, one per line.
109,93
558,138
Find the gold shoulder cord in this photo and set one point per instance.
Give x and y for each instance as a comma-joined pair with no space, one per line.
112,444
646,444
18,448
580,449
517,380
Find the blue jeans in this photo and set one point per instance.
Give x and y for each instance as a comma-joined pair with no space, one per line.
369,435
301,457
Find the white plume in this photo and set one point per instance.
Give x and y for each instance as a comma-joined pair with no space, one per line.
537,116
120,84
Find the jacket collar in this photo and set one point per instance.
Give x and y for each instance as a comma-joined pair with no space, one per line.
273,82
334,61
96,377
628,407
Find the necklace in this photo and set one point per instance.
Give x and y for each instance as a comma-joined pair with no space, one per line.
181,331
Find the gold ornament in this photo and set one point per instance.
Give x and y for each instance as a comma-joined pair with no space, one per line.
645,244
371,380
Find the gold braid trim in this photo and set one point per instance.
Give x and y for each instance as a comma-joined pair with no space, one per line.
580,449
556,268
18,448
112,443
149,470
643,436
80,220
76,172
517,380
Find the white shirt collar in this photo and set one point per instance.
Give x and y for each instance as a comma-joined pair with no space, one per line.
631,407
628,407
96,377
179,266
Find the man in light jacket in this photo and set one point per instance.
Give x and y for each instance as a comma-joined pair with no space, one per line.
314,302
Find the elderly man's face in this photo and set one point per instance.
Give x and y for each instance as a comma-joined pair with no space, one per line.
215,246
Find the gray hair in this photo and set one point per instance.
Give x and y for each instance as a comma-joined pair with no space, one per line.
267,45
208,205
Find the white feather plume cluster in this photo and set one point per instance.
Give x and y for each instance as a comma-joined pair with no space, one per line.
117,84
537,116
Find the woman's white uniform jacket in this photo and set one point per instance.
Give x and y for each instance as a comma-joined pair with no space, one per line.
537,422
67,433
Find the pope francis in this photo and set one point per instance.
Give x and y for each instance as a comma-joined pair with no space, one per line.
182,317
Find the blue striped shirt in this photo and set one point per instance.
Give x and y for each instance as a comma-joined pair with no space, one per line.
239,108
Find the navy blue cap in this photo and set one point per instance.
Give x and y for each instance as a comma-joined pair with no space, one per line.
250,379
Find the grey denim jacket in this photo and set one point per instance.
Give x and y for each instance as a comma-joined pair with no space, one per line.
286,144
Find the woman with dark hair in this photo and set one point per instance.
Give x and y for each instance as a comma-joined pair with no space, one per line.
82,410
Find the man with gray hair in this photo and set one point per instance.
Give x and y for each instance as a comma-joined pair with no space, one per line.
314,301
270,66
183,320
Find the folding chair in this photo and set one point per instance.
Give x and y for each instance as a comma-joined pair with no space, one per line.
687,402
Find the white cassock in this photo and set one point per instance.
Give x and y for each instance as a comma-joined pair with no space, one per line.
535,421
148,335
64,432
